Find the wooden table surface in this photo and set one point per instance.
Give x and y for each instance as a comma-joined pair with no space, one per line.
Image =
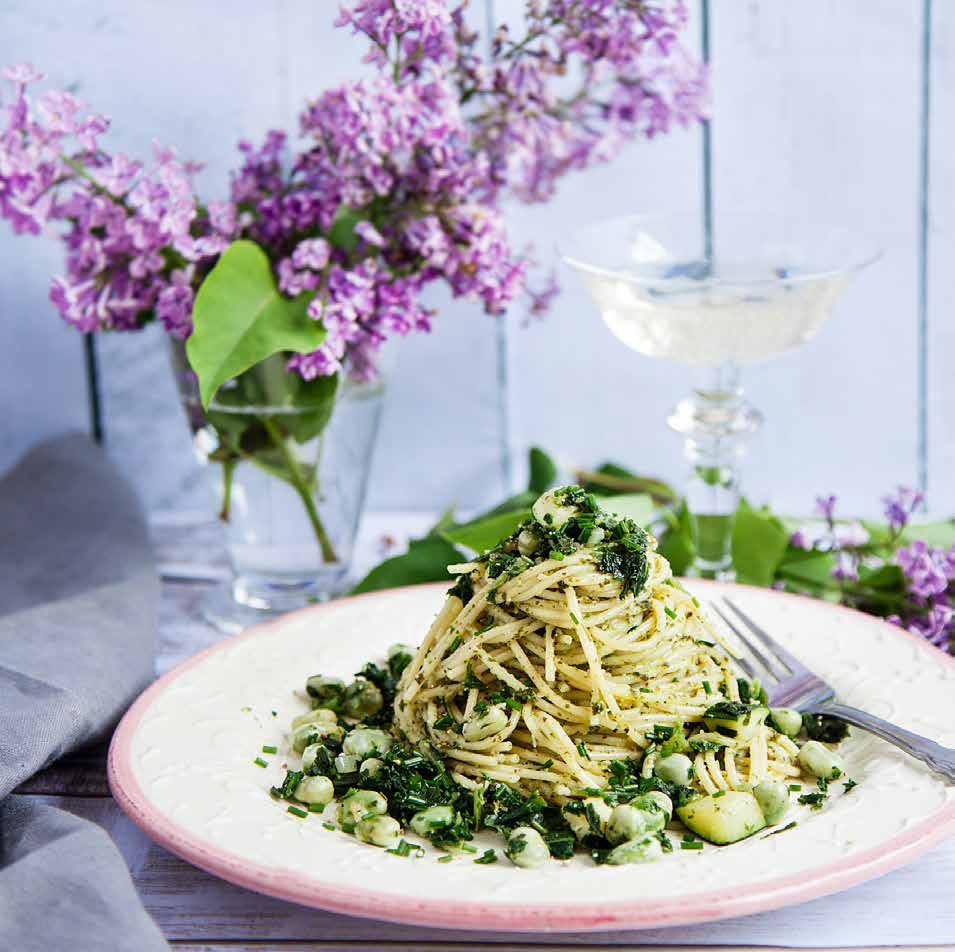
198,911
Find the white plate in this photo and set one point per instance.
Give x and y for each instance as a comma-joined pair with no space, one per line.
181,765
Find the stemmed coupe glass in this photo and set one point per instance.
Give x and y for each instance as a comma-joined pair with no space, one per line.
758,287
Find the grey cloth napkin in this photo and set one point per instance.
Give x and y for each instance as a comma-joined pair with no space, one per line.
79,601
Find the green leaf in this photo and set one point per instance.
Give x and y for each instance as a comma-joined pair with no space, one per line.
486,531
519,501
611,479
342,232
807,568
240,319
543,471
676,542
426,560
887,579
759,542
639,507
313,401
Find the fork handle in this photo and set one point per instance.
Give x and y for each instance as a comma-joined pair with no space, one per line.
940,759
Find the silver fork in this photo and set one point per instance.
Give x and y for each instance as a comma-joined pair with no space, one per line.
789,683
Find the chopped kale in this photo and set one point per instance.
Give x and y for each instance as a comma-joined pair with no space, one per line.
814,800
728,710
463,588
827,729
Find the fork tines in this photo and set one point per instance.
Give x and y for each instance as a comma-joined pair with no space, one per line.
775,660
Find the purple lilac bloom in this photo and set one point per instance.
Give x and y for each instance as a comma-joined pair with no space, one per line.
799,540
826,508
900,507
928,573
417,158
121,222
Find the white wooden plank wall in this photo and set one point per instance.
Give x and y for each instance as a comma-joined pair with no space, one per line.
940,299
816,112
816,115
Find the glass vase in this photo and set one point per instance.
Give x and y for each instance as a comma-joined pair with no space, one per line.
288,477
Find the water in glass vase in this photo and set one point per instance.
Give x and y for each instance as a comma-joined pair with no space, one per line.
288,462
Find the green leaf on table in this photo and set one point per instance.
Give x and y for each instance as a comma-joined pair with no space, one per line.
807,569
610,479
676,542
543,471
426,560
240,318
759,542
639,507
888,579
486,531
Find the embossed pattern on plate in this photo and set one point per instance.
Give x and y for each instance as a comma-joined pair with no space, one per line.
181,765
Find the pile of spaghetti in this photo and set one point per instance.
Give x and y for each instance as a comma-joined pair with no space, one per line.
570,647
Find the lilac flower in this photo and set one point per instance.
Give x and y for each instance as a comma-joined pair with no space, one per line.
123,225
900,507
927,570
826,508
846,568
367,231
399,183
799,540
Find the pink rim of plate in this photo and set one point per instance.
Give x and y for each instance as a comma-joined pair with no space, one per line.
501,917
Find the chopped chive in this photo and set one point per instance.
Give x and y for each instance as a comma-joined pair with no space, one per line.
707,687
316,807
445,859
557,556
295,811
269,749
547,764
645,691
574,618
670,612
488,856
782,829
403,848
793,787
467,848
695,602
582,750
328,826
259,762
455,644
691,845
719,793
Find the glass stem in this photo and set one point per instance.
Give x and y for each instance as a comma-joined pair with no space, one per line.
304,490
715,422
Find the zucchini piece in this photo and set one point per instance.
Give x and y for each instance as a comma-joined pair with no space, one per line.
723,819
